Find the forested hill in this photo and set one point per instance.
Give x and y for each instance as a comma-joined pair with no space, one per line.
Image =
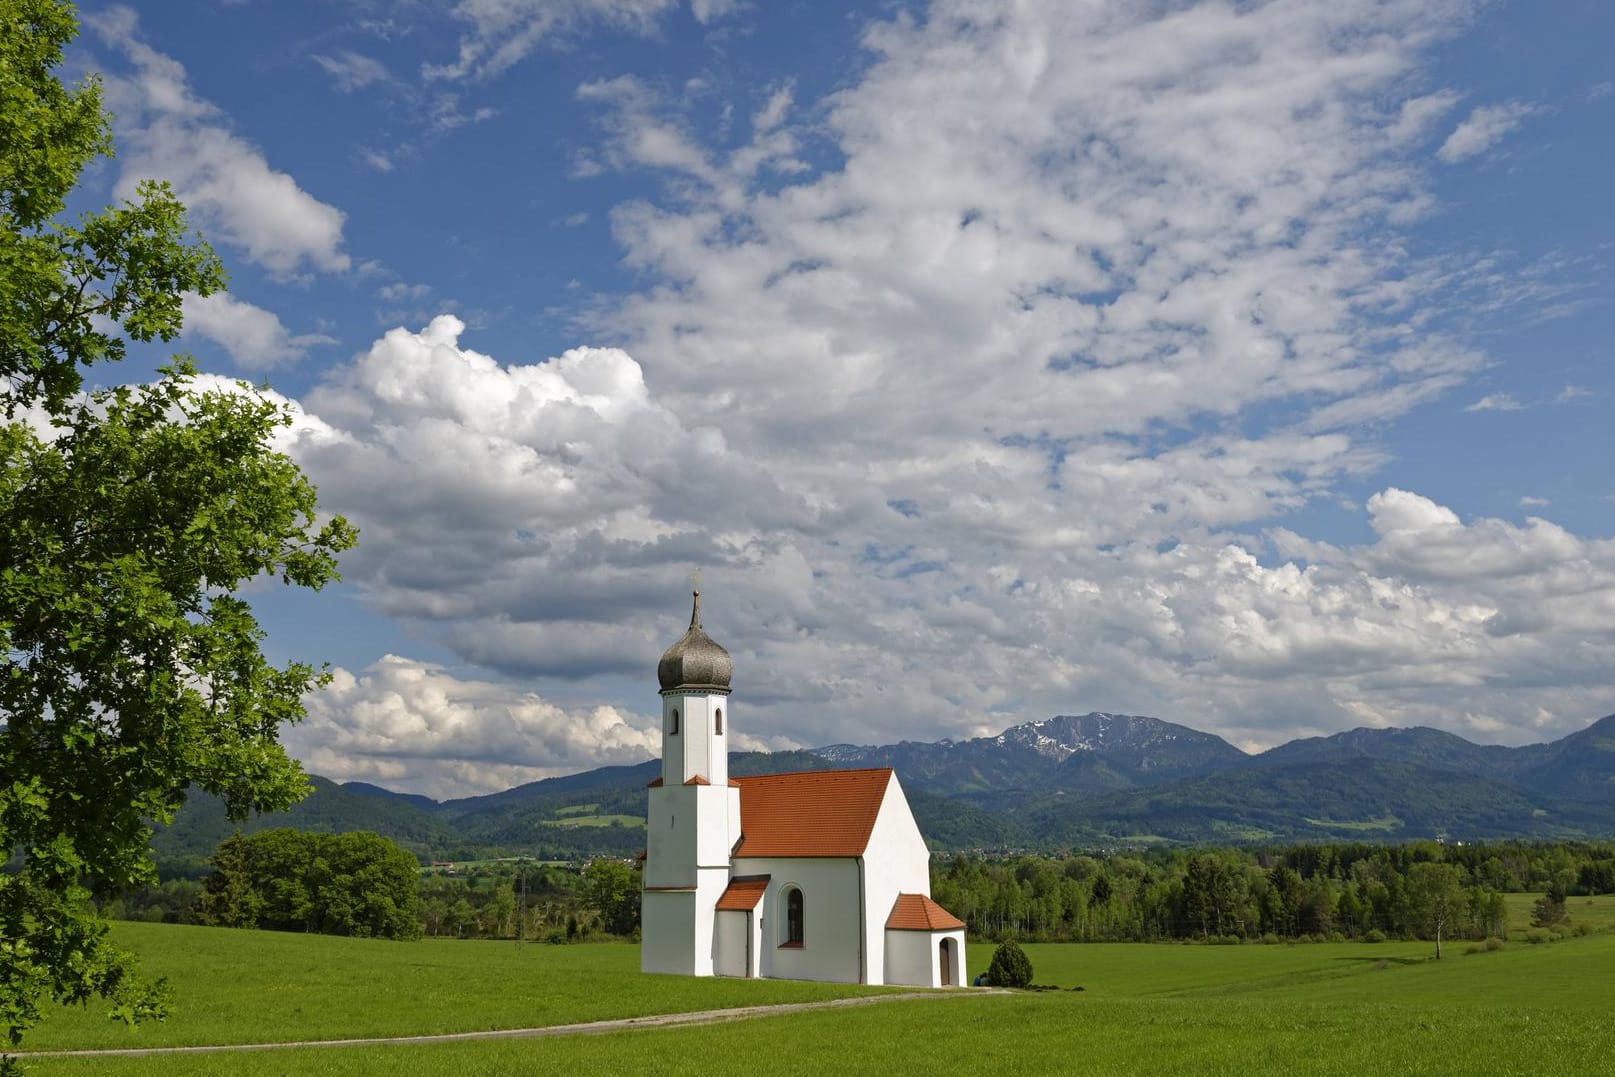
1088,781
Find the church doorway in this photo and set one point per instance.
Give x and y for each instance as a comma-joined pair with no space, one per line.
945,961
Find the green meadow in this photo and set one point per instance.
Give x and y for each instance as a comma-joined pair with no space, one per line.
1326,1008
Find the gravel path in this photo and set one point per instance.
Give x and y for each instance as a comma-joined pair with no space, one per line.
587,1028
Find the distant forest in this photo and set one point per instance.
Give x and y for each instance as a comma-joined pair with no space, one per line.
1332,891
1329,891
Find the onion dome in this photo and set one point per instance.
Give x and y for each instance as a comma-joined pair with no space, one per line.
695,661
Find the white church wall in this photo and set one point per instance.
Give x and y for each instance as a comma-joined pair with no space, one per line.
709,889
716,806
909,958
697,748
896,861
960,973
689,827
830,935
731,954
670,848
915,958
667,931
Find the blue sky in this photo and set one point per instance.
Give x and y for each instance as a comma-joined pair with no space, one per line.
1245,365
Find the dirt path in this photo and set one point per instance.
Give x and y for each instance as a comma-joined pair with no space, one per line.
587,1028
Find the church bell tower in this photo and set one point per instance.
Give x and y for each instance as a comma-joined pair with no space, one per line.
693,819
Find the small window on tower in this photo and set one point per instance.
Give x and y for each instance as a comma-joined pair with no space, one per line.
717,721
673,722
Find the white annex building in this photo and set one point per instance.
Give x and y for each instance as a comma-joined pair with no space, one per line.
817,875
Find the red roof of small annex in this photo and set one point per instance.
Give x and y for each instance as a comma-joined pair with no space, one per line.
743,894
916,912
810,812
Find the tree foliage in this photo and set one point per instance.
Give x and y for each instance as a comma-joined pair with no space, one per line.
129,669
356,884
1549,909
611,887
1438,897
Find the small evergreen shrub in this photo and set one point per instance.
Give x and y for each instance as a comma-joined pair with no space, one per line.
1010,967
1375,935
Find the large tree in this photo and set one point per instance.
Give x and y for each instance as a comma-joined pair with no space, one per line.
130,670
358,884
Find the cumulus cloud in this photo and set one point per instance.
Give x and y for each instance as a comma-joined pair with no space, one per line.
167,132
385,723
253,336
997,416
1484,128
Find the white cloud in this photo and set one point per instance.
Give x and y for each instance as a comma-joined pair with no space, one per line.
1495,402
503,32
1484,128
254,337
351,71
376,160
417,727
1529,502
987,421
232,193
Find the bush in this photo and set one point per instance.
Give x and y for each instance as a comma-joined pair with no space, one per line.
1375,935
1536,936
1010,967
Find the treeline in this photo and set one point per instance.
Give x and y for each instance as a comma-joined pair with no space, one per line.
1352,891
535,901
361,884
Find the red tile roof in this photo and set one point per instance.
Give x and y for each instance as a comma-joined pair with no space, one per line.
743,893
654,783
697,780
811,812
916,912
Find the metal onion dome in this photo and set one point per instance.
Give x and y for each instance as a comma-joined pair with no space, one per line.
695,661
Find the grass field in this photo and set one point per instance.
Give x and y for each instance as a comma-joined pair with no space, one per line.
1322,1008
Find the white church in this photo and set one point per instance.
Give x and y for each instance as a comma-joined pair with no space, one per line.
817,875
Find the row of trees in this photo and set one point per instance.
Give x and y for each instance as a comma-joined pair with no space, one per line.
363,885
1422,890
533,901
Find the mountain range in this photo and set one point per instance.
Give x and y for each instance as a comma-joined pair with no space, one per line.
1071,781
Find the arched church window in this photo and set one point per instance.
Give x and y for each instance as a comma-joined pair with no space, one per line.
673,722
793,917
717,721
